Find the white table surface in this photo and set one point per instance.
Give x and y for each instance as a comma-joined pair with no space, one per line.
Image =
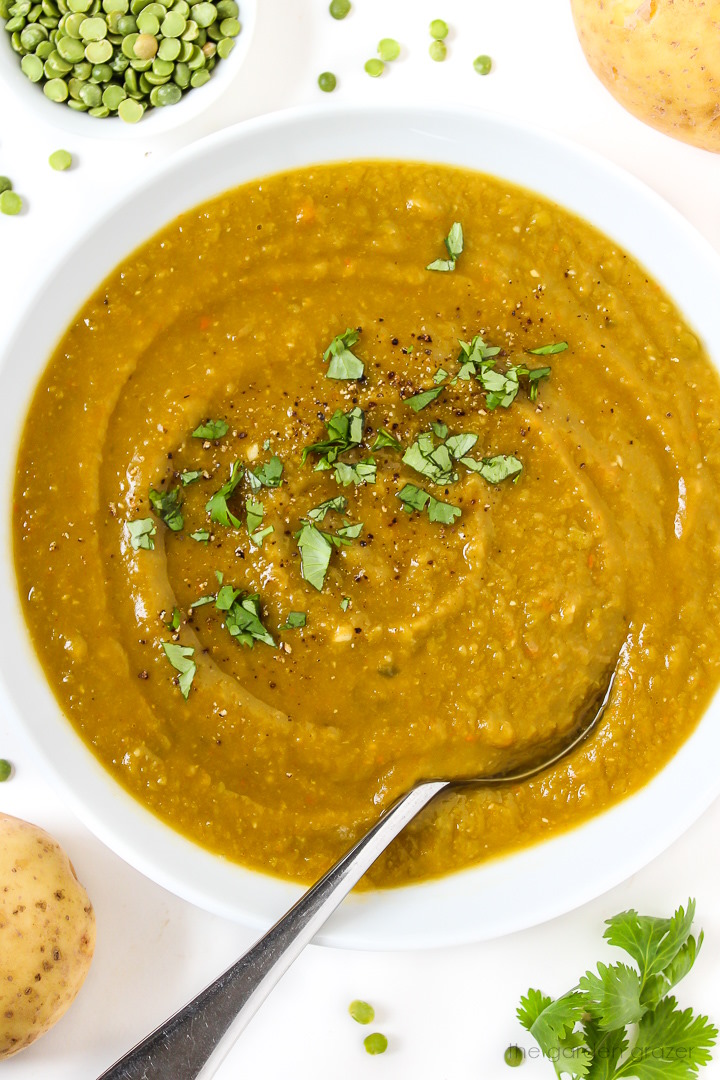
449,1014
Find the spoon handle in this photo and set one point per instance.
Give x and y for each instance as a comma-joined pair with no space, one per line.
192,1043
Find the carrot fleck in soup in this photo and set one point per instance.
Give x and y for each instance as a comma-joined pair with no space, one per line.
365,474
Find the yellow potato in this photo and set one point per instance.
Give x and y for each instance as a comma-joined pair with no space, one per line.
47,933
660,59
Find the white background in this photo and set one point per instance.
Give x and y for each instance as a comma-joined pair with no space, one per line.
449,1014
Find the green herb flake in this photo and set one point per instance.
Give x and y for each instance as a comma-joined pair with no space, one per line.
141,533
315,552
440,375
362,472
344,605
200,535
454,244
423,399
619,1022
494,469
339,504
180,656
242,617
345,431
439,428
295,620
441,512
166,505
385,440
268,475
217,506
550,350
254,514
211,429
261,534
413,498
174,623
190,476
344,364
433,462
460,445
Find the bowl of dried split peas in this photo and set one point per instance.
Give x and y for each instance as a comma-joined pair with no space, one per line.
121,68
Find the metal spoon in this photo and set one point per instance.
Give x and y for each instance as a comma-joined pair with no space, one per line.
191,1044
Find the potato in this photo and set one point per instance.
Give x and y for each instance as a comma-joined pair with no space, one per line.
660,59
47,933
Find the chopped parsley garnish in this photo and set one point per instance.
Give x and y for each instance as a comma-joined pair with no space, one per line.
414,498
190,476
253,518
201,535
619,1022
345,431
295,620
344,364
174,623
345,603
454,245
242,617
421,400
345,534
339,504
217,506
268,475
477,360
180,656
385,439
433,462
362,472
315,552
439,428
462,444
141,532
534,375
440,375
549,350
494,469
211,429
166,505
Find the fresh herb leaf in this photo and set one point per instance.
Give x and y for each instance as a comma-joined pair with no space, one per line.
259,535
652,943
253,514
549,350
339,504
460,445
346,533
344,364
190,476
494,469
211,429
166,505
226,597
671,1044
217,506
295,620
454,245
201,536
442,512
202,601
440,375
439,428
345,431
433,462
180,656
141,532
534,375
315,552
219,575
345,603
362,472
242,617
423,399
385,439
268,475
501,388
613,995
174,623
413,498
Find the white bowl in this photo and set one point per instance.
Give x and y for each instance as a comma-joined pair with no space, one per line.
156,121
510,893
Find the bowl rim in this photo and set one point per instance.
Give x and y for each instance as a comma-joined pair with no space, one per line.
157,121
483,901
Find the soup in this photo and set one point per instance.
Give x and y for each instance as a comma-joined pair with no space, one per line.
365,474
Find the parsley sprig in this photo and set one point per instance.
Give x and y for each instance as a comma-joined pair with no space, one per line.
619,1022
344,364
454,244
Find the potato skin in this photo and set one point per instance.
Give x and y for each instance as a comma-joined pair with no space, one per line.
47,933
660,59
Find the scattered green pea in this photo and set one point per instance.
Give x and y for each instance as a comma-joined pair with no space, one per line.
327,82
439,29
5,770
10,203
5,184
375,1043
60,160
340,8
482,64
514,1056
361,1012
388,49
374,67
438,51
